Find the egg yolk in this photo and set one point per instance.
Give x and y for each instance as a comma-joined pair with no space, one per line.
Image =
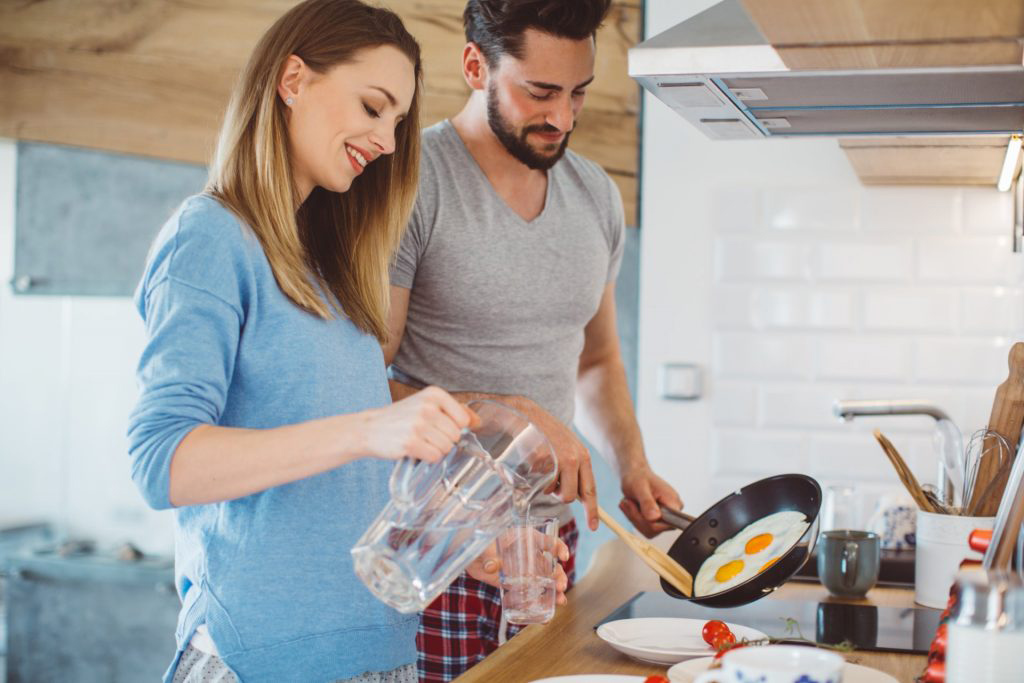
758,543
728,570
768,564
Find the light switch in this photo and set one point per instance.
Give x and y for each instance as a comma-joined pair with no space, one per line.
679,381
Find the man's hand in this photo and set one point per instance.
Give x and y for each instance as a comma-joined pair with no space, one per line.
643,491
575,473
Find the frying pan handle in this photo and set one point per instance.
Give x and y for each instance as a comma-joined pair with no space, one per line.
676,518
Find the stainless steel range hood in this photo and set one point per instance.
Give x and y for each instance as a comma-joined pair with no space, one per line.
717,70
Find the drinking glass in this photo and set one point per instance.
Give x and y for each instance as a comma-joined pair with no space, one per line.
527,551
841,508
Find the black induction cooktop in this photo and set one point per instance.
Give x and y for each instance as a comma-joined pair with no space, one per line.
867,627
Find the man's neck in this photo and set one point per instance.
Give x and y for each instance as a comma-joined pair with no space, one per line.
501,168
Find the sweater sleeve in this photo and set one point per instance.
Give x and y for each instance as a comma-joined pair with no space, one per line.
193,319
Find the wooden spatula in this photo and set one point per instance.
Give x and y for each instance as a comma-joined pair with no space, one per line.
1006,420
653,556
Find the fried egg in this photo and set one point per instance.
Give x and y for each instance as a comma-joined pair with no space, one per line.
756,547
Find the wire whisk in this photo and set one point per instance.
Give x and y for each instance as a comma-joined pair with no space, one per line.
983,444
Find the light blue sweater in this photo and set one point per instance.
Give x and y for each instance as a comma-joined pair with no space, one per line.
270,574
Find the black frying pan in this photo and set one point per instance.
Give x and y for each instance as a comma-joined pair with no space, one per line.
729,516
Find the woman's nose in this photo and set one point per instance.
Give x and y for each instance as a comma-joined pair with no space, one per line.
384,141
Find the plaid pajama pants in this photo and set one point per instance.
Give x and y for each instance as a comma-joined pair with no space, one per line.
463,624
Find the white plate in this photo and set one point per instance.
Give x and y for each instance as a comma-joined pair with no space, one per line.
592,678
686,672
664,640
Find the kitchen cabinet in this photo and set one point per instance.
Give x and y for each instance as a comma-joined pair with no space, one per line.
871,34
864,34
946,160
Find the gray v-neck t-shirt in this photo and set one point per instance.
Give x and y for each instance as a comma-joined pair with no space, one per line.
498,304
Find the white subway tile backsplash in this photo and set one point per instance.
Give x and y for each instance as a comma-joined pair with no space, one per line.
734,403
794,309
896,210
745,260
760,355
976,260
743,452
813,209
904,309
850,457
981,362
992,310
736,209
802,406
882,260
732,306
860,358
987,211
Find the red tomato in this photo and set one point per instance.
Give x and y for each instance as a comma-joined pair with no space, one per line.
712,629
723,639
656,679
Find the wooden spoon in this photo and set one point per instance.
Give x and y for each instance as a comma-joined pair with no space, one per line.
653,556
905,475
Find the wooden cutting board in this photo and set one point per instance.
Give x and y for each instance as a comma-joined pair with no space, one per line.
1006,420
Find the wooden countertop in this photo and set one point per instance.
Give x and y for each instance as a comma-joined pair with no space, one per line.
568,644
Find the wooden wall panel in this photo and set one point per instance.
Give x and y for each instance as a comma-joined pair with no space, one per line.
152,77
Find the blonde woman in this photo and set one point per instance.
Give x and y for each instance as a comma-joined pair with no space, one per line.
264,417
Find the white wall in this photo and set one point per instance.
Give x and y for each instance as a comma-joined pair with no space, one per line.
767,263
66,388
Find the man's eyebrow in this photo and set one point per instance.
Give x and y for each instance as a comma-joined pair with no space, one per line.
391,98
557,88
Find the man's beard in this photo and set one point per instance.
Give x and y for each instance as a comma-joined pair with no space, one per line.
517,145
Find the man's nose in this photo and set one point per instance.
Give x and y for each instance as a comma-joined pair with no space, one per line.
562,116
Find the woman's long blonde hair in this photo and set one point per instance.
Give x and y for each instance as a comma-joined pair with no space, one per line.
331,255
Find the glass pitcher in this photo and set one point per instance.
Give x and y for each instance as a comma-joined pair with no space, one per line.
443,515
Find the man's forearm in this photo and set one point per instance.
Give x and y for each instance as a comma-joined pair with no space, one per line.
520,403
607,418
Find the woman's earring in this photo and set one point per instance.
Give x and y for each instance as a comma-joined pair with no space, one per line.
289,101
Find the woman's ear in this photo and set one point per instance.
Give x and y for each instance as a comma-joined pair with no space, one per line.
474,67
291,81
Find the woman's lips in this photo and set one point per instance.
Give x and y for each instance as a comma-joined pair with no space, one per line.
355,164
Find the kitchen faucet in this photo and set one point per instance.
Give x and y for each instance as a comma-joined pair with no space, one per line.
847,410
949,481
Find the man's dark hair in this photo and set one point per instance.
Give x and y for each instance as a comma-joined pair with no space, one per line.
497,26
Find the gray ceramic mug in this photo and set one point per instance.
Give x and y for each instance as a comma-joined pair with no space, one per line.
848,562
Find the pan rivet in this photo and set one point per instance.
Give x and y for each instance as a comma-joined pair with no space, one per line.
712,541
694,541
713,523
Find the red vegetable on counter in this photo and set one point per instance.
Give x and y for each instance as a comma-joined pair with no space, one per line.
715,630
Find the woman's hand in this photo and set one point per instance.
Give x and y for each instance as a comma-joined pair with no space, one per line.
423,426
487,568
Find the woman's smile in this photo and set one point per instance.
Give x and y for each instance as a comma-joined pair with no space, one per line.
357,158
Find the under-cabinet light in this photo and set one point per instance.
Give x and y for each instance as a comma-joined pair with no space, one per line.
1009,164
